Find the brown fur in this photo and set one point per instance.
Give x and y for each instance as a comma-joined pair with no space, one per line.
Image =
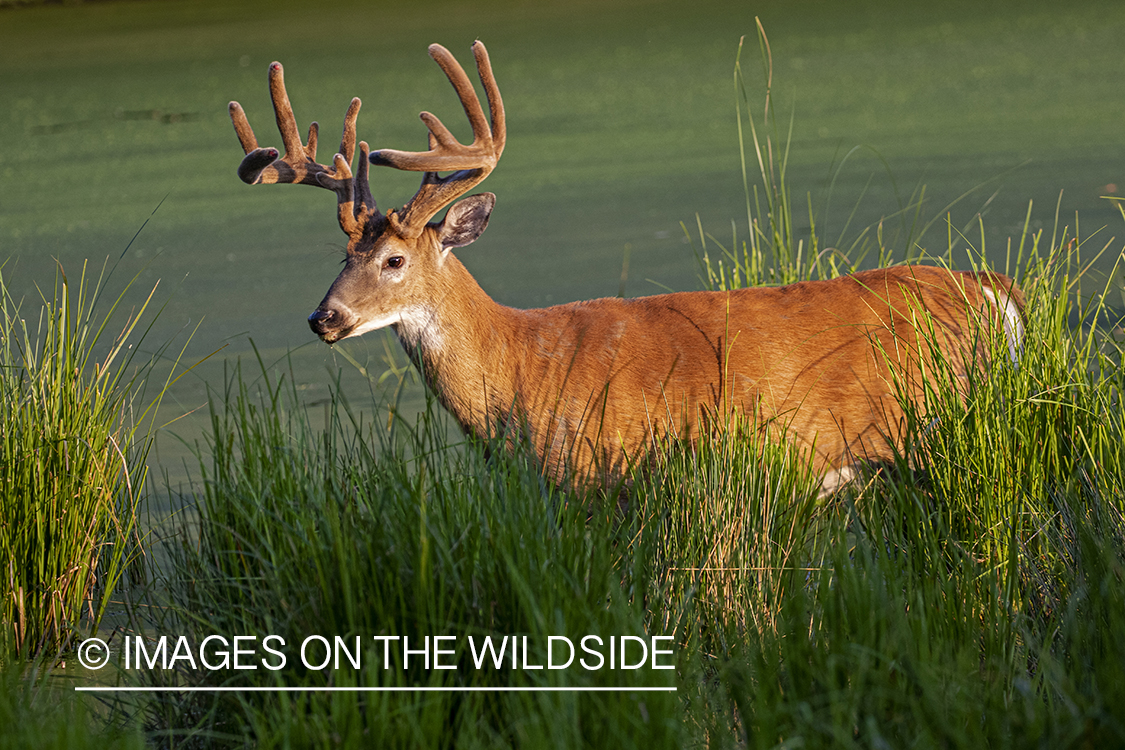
594,384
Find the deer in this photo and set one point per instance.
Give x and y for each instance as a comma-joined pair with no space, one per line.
595,386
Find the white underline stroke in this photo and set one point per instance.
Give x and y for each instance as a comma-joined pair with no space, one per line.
285,689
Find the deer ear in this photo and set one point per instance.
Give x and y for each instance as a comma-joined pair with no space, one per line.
466,220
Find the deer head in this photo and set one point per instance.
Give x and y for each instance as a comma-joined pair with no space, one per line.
392,259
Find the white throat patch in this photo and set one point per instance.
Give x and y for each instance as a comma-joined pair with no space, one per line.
418,325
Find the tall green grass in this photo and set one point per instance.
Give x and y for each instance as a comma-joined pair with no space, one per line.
72,459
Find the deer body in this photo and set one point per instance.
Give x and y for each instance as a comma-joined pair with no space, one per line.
594,385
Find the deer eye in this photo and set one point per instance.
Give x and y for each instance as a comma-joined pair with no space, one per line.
395,261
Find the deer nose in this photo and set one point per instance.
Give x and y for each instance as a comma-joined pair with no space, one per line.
321,320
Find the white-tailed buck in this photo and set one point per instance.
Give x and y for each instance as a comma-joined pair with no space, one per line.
595,385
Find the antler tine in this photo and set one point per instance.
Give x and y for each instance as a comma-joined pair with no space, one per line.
242,128
473,162
495,104
299,165
347,139
364,202
286,120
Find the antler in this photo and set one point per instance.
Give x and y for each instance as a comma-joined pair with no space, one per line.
355,205
472,162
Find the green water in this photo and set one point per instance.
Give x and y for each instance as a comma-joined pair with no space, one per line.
621,126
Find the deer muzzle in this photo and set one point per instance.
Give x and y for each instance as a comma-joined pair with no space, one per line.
327,324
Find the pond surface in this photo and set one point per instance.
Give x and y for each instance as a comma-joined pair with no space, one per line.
621,121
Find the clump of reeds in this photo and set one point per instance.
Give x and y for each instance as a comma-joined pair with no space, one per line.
72,459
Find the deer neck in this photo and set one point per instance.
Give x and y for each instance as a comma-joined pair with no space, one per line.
460,343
